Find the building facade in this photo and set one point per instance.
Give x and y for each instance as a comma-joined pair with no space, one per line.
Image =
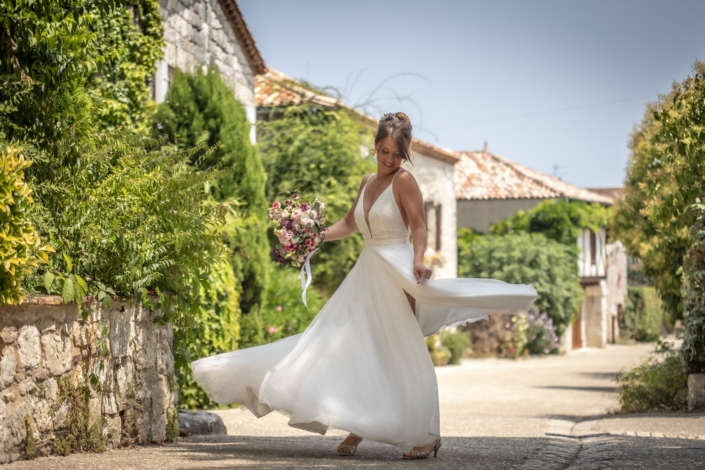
199,33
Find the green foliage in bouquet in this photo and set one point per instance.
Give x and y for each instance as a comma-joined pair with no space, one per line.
664,179
557,220
213,329
526,258
317,151
201,108
643,315
283,312
659,382
20,247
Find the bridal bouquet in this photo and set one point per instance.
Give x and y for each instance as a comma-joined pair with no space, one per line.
300,229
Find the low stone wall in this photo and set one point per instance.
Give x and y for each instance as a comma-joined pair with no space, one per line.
46,345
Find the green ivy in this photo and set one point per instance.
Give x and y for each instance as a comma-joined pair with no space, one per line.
318,152
693,348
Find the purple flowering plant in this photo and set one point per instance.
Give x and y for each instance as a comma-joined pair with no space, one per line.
541,337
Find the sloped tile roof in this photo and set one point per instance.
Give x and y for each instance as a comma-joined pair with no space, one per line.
614,193
274,89
483,175
244,36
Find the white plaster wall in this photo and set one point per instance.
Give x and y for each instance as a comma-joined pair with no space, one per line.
436,182
595,315
197,33
616,283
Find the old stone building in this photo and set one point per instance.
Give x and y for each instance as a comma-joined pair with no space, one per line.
433,167
210,32
490,188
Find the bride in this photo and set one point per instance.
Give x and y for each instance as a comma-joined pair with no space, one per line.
362,365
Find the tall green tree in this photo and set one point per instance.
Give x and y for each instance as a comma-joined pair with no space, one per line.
664,179
200,108
318,152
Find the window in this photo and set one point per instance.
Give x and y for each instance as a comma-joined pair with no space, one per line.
593,248
432,214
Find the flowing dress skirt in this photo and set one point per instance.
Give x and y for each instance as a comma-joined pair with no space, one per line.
362,365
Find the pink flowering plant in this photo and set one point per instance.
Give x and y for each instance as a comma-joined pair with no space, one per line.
300,228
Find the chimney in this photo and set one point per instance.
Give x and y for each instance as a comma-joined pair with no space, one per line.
484,150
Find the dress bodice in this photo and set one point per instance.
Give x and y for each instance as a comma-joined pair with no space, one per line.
385,220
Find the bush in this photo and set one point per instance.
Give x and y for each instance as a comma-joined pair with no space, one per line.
541,337
515,340
128,218
529,258
643,316
694,296
440,354
457,341
283,312
661,381
317,152
200,108
213,329
20,248
557,220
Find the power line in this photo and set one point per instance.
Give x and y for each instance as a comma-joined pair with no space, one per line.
541,113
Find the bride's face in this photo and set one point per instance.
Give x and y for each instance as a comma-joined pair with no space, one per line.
388,157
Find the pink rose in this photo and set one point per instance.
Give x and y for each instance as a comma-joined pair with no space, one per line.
279,308
276,205
272,330
288,248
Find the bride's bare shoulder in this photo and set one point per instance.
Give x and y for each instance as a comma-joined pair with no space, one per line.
406,180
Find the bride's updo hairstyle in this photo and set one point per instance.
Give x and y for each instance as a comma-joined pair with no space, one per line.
398,127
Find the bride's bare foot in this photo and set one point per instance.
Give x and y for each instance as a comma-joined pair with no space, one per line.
349,445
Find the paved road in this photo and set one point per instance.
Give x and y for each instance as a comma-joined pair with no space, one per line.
536,413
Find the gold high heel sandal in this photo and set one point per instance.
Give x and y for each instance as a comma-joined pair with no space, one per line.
348,450
416,455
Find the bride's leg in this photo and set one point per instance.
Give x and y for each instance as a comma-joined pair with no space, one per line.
412,302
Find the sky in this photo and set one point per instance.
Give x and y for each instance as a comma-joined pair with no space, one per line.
554,85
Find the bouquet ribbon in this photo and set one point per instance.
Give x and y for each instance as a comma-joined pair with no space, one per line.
307,278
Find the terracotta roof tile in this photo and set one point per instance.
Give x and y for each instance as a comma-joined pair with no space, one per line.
274,89
483,175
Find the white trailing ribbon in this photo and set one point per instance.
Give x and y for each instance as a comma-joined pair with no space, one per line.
307,278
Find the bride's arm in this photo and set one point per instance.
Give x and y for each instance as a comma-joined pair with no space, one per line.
412,200
347,226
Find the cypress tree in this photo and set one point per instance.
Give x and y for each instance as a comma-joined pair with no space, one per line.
200,108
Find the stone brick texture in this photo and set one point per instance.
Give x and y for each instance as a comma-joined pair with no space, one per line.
45,340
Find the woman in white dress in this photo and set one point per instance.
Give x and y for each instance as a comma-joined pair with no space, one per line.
362,365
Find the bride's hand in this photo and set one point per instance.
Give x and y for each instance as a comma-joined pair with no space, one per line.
421,272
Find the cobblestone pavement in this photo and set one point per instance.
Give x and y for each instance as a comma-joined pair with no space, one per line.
535,413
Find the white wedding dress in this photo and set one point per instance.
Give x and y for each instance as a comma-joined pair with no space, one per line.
362,365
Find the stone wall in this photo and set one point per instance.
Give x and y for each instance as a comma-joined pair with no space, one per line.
197,33
436,182
45,341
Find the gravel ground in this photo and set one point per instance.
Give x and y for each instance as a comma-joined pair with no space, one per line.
535,413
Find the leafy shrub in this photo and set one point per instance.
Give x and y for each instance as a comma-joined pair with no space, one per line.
529,258
515,340
213,328
643,315
283,312
557,220
541,337
440,354
20,248
457,343
317,152
201,108
694,296
129,217
661,381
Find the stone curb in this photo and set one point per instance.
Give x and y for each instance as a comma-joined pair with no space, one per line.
655,434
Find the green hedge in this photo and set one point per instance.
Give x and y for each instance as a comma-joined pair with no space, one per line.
643,315
526,258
